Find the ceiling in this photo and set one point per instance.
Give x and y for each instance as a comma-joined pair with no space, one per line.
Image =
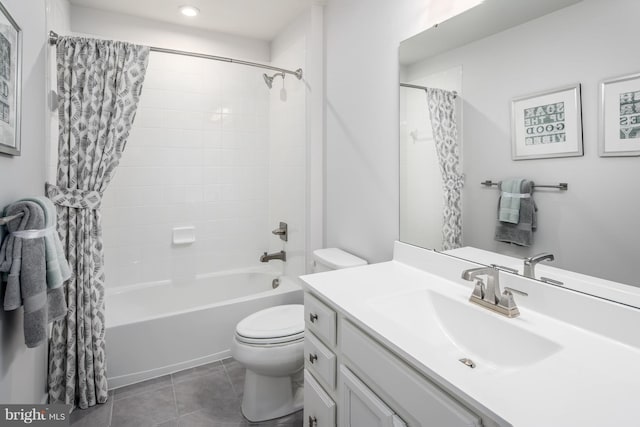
486,18
261,19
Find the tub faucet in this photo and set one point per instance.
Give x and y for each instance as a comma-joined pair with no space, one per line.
282,255
490,296
531,262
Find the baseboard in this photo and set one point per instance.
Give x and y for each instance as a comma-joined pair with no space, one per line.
125,380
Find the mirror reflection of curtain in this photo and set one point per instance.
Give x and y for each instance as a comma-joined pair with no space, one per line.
99,85
442,113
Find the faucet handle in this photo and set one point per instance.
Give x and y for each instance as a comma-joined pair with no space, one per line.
506,299
478,289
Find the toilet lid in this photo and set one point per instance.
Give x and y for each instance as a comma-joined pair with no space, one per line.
282,323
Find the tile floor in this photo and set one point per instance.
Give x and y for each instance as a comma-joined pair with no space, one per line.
206,396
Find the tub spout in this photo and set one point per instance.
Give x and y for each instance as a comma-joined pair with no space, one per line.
282,256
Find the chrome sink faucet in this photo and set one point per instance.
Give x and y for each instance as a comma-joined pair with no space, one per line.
490,293
531,262
491,296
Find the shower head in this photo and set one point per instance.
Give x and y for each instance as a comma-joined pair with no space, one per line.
268,80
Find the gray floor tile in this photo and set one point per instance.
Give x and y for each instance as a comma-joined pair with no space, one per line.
236,373
207,418
143,387
95,416
198,371
146,409
209,391
209,395
293,420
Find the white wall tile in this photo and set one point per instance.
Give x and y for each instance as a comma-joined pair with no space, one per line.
193,158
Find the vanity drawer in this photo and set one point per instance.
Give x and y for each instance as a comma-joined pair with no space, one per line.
320,360
421,399
319,409
320,319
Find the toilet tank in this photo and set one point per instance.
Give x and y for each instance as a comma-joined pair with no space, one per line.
334,259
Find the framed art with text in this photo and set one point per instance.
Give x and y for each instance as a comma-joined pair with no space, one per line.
10,83
620,116
547,124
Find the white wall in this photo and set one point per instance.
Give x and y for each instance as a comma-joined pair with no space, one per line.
23,371
288,146
198,155
161,34
592,227
362,39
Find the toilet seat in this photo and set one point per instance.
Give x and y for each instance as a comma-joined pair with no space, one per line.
272,326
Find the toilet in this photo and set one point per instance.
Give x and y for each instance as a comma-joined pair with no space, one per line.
270,345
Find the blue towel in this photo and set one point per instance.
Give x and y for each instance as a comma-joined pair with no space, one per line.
510,200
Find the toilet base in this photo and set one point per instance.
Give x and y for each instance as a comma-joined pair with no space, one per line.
266,398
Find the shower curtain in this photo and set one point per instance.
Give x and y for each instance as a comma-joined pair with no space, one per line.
445,133
99,85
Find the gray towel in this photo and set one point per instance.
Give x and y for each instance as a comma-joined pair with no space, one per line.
521,233
24,261
58,270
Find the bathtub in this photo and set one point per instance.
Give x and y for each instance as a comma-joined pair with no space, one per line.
163,327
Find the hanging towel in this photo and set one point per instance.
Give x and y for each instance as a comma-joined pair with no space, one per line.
521,233
510,197
24,261
58,270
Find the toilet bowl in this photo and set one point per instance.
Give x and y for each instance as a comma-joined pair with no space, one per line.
270,345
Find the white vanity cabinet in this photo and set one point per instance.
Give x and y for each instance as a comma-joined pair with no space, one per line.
361,407
319,408
320,362
351,380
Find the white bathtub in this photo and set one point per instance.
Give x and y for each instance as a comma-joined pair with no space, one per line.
159,328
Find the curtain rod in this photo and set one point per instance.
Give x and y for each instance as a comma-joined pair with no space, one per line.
409,85
53,39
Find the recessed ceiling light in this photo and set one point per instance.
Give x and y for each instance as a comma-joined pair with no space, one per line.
189,11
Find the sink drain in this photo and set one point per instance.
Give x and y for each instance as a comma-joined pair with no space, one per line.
468,362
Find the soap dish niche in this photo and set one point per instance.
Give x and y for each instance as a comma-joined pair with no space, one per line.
184,235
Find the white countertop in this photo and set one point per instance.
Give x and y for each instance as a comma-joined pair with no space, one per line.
592,381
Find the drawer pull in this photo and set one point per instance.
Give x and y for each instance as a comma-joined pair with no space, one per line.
313,358
313,421
313,317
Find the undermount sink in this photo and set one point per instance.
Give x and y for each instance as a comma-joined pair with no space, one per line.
469,330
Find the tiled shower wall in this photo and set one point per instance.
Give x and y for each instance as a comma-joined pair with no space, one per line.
198,155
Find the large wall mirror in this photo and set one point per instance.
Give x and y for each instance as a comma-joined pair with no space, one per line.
475,65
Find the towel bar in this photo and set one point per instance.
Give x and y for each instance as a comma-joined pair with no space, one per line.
561,186
8,219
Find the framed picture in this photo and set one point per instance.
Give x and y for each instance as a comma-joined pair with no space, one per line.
10,83
547,124
620,116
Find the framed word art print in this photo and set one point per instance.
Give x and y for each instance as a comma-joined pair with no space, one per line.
10,83
547,124
620,116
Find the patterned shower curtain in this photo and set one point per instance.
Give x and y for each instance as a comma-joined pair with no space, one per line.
445,133
99,85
